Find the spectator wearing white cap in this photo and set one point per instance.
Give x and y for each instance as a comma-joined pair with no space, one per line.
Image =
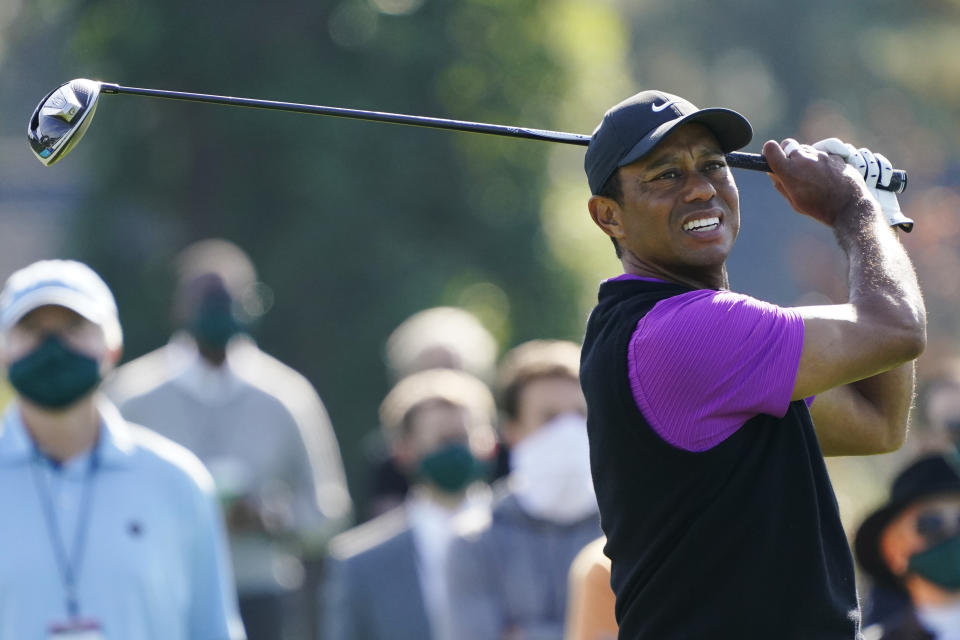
110,531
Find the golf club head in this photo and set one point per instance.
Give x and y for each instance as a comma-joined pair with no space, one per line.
61,119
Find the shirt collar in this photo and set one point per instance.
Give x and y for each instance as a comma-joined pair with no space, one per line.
213,386
630,276
115,446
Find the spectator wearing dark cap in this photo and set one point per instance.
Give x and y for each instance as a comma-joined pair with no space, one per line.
707,455
911,545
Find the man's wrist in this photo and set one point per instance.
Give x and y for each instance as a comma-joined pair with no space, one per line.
862,214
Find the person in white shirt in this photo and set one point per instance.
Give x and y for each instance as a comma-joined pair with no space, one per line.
259,427
110,531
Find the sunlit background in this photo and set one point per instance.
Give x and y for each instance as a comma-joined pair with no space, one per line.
356,225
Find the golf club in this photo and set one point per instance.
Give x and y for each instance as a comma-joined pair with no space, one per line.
64,115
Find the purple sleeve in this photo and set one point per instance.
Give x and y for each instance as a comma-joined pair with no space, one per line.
704,362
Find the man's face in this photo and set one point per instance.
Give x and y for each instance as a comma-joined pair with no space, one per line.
74,330
540,401
680,213
919,527
434,426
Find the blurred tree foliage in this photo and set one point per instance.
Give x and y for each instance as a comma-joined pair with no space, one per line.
352,225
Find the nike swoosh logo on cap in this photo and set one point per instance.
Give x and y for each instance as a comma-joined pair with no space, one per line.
661,107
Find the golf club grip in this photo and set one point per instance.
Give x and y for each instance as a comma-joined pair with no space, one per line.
756,162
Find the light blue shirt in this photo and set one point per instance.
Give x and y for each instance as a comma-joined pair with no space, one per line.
154,565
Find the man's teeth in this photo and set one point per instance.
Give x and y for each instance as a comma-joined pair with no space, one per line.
702,223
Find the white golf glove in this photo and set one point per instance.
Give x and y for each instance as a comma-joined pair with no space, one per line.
875,169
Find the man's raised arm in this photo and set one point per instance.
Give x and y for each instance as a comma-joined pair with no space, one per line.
857,357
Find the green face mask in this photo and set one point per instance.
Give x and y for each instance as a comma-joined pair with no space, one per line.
940,564
214,322
53,375
451,468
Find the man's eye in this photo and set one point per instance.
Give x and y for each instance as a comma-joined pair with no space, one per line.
668,174
715,165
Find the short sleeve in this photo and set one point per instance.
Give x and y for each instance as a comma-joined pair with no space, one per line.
704,362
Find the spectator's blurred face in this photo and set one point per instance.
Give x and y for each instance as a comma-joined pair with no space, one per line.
919,527
435,426
208,314
540,401
438,453
55,357
75,331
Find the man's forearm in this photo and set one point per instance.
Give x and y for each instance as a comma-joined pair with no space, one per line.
882,283
891,394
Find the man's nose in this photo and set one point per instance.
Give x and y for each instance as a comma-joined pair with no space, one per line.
698,187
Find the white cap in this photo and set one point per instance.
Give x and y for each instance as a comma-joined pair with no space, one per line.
64,283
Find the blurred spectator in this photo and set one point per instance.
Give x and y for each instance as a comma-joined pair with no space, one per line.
911,545
387,577
258,425
590,612
508,577
439,337
109,530
939,404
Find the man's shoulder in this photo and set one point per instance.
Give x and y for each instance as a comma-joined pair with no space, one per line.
273,377
475,527
140,376
169,461
374,537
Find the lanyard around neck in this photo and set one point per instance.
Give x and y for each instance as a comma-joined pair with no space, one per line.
69,565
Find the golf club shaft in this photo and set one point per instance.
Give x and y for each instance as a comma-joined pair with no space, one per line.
736,159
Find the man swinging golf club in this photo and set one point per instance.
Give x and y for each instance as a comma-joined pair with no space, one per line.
708,465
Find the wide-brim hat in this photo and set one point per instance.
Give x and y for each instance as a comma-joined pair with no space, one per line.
630,129
927,477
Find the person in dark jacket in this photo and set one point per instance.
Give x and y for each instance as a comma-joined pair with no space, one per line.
706,442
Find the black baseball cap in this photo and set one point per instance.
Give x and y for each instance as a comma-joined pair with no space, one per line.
932,475
635,126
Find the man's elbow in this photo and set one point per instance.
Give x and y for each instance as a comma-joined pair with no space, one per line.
911,340
892,439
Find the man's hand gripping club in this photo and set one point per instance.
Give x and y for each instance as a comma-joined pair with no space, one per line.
857,356
810,183
875,169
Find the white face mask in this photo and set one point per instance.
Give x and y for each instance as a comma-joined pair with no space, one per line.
551,471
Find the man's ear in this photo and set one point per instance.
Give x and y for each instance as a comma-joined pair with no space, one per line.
606,214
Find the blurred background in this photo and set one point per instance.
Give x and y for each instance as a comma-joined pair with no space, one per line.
355,225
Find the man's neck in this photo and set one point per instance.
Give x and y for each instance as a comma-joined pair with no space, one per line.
61,435
714,278
213,356
449,501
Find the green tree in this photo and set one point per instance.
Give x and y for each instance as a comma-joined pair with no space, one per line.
353,225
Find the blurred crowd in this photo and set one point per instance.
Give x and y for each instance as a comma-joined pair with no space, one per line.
200,493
